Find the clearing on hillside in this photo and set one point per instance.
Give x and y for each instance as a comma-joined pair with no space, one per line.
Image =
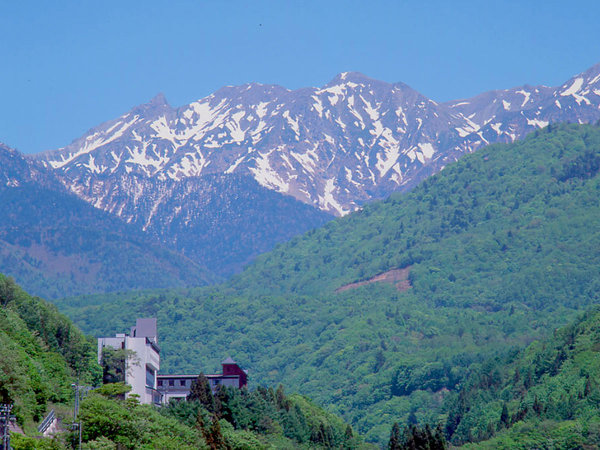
397,277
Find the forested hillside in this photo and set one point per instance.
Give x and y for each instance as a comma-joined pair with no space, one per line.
501,198
41,354
55,244
549,392
498,250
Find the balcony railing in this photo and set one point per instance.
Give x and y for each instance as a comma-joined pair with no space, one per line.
156,395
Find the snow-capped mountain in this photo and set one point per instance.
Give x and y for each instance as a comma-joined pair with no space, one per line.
333,147
509,114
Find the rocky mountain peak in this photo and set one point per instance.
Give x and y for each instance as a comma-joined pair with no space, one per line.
354,80
156,106
159,100
333,147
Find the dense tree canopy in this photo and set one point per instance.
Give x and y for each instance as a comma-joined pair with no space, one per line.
41,354
547,392
500,249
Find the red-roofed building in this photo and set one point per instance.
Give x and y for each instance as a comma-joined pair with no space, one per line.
178,386
231,369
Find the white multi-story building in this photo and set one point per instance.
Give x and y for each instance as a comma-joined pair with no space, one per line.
143,364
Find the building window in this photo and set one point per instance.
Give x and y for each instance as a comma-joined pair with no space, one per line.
171,382
181,382
160,382
149,377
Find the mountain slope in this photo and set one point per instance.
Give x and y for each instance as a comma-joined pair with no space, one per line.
219,221
500,248
496,185
549,393
55,244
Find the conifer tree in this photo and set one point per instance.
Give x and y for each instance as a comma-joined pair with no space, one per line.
504,418
412,418
200,423
348,434
417,438
282,402
200,391
395,438
214,438
588,387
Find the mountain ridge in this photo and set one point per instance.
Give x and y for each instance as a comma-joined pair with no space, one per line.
333,147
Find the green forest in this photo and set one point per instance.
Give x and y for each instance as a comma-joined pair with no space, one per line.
42,354
500,250
262,419
549,392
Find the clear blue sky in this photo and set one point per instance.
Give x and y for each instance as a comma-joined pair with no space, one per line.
67,66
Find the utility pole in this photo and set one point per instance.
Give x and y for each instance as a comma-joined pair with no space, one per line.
76,424
79,392
5,419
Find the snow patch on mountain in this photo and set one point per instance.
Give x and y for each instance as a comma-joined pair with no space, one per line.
526,95
537,123
164,131
427,150
387,158
237,162
266,175
234,127
327,200
496,128
574,88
